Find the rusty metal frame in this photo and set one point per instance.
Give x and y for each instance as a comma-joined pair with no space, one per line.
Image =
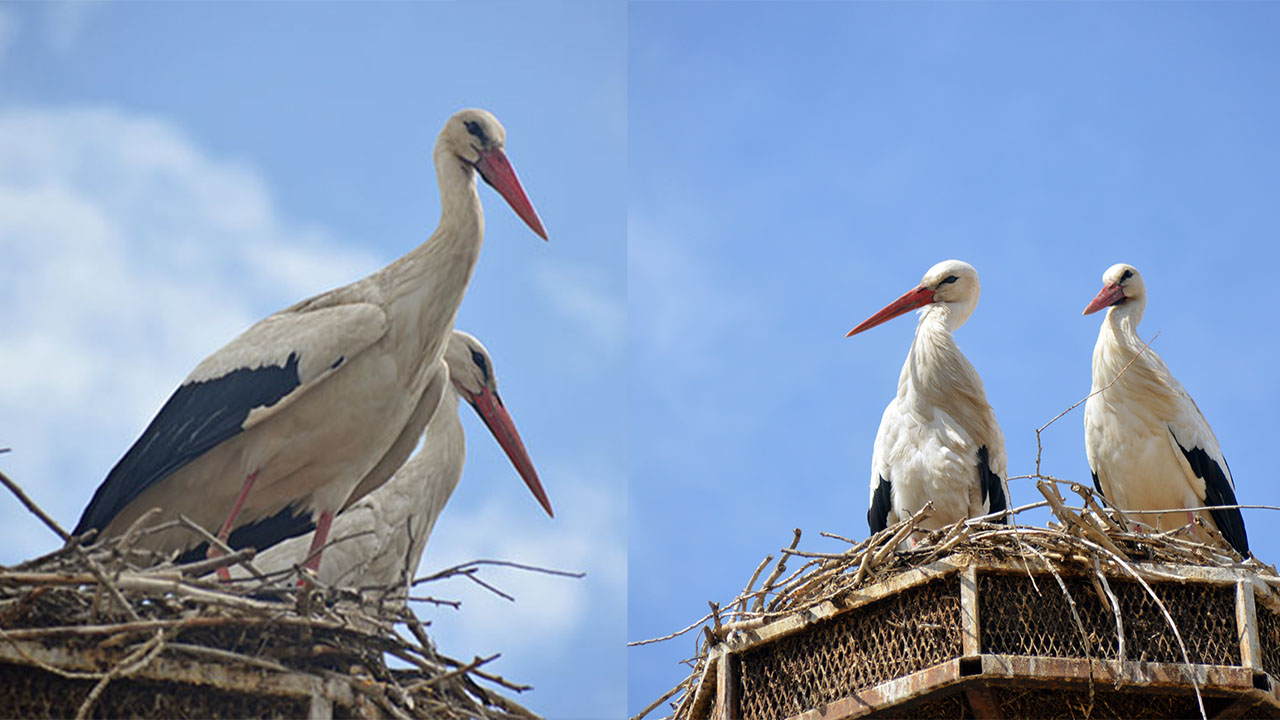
320,694
975,674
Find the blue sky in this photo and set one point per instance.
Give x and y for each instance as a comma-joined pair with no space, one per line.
728,188
794,167
170,173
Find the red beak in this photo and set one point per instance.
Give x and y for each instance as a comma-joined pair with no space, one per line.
1108,296
490,408
912,299
496,170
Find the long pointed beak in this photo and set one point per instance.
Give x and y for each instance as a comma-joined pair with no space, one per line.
1108,296
496,170
489,407
912,299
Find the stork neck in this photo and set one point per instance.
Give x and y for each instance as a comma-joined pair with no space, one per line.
1118,342
444,447
933,353
431,280
938,375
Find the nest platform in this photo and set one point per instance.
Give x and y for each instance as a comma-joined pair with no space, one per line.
1090,617
977,638
113,630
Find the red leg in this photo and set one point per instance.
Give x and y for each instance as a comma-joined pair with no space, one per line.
225,532
318,540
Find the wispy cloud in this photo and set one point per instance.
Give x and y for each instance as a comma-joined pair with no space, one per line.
582,295
130,254
68,20
550,614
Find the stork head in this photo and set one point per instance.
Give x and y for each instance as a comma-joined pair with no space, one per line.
951,283
471,372
477,139
1121,285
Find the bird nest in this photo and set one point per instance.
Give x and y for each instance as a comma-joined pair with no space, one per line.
1082,618
109,630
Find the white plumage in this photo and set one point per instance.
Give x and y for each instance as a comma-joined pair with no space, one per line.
938,439
378,540
288,417
1149,447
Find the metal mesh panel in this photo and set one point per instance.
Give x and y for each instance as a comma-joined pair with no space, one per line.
33,693
1269,639
1016,619
889,638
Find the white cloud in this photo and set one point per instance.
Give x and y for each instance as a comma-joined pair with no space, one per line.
582,295
129,254
588,535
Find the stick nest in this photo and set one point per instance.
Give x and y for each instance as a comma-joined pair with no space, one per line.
118,609
1081,539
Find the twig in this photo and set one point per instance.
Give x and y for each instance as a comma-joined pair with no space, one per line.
746,592
462,569
132,663
1082,400
778,569
648,709
33,508
675,634
476,663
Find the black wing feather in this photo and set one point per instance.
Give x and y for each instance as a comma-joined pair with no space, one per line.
261,534
1098,486
194,420
881,501
1218,491
992,486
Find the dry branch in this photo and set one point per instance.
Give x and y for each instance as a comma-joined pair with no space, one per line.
161,612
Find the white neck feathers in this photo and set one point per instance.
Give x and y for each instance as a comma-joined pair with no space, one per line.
1145,386
937,375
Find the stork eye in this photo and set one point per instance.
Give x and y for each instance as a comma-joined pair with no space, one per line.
1127,274
950,279
474,128
477,357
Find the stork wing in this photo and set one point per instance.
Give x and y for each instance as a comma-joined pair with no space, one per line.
995,487
1192,436
253,377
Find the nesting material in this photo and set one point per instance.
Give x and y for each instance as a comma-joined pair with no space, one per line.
1084,618
110,631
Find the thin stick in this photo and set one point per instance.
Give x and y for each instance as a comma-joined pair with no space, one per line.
477,662
132,663
675,634
33,508
746,592
659,701
459,569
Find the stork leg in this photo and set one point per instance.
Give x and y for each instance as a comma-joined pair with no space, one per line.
225,532
318,541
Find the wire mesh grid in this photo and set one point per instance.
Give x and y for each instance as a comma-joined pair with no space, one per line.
909,631
34,693
1022,617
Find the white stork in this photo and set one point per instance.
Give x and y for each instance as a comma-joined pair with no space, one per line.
938,439
292,414
379,538
1148,445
